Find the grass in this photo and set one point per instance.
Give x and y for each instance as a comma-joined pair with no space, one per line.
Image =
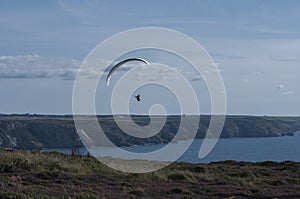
31,174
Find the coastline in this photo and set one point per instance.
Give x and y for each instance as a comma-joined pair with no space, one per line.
58,131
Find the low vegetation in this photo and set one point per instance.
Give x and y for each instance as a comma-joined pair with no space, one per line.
31,174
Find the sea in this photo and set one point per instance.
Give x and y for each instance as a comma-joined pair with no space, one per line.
258,149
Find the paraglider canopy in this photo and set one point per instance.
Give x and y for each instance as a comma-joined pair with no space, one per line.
120,64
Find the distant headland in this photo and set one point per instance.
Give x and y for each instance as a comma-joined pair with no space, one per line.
35,131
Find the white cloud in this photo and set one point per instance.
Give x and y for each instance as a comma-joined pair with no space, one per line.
17,60
280,86
198,78
34,66
288,93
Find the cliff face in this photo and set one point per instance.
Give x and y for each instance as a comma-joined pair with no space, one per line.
37,133
59,132
251,126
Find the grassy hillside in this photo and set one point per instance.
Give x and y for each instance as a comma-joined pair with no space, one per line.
33,132
30,174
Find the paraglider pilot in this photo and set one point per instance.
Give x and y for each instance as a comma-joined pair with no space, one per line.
138,97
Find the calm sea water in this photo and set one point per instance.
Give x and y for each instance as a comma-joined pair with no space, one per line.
239,149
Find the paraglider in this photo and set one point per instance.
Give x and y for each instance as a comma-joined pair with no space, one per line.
120,64
138,97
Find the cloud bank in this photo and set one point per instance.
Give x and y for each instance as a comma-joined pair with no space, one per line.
34,66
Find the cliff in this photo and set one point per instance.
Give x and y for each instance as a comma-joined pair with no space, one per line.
40,131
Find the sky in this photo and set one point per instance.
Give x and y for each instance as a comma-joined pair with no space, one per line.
256,45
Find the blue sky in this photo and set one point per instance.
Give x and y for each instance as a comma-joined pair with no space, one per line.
256,44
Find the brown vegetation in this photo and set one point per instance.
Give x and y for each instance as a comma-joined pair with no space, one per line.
31,174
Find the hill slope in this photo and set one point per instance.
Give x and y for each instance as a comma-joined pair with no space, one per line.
34,132
25,174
